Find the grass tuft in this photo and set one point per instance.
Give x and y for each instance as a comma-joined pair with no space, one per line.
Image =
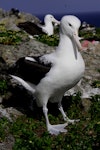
9,37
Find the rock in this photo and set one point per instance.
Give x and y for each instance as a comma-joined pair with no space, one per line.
11,54
28,17
1,99
86,103
10,20
3,13
8,143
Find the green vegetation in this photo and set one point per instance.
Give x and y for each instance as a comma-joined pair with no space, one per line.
4,128
9,37
90,35
49,40
30,133
96,84
3,87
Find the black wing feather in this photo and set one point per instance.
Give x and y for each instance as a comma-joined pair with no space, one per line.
29,71
30,28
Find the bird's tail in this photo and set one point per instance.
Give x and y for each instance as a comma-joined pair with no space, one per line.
26,85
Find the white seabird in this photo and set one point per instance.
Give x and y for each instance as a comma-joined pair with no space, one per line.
48,77
36,29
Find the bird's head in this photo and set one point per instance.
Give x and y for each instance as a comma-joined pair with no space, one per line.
69,26
50,18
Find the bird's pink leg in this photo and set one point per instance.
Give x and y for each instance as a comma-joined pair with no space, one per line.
53,129
65,116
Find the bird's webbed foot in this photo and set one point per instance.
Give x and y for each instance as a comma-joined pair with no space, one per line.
72,121
69,121
57,129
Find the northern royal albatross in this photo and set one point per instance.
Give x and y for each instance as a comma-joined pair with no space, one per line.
36,29
53,74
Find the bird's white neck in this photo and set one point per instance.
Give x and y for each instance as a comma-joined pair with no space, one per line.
48,23
67,47
48,27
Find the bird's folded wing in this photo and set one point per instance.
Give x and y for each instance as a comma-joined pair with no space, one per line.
30,28
30,69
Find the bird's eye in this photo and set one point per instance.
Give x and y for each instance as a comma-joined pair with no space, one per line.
70,25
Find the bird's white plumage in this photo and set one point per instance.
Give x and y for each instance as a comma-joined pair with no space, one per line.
66,71
30,59
48,28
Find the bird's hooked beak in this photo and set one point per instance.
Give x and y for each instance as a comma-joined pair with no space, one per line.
76,39
56,22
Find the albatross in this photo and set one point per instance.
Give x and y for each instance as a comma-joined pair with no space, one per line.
49,76
36,29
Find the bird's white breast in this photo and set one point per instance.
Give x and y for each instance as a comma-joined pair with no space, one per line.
67,71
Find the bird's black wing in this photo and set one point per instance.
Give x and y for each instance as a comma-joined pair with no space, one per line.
31,71
31,28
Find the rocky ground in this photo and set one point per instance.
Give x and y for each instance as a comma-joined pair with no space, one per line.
10,53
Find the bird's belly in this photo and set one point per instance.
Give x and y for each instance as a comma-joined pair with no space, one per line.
59,80
74,74
68,75
66,82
